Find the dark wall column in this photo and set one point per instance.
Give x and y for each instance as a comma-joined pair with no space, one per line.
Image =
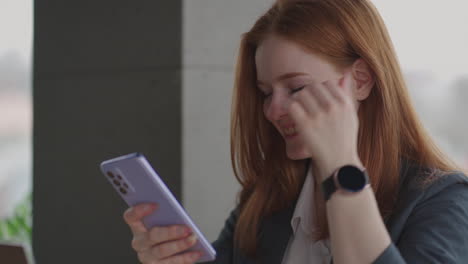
107,82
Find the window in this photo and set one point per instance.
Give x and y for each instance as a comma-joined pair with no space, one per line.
15,119
431,40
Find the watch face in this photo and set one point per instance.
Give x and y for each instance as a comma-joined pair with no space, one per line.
351,178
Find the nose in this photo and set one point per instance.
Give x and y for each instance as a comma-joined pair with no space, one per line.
275,109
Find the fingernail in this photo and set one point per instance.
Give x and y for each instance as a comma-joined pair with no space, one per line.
192,238
148,207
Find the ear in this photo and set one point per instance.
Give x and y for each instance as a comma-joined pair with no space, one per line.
364,79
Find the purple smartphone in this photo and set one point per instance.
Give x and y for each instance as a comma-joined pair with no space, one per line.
136,181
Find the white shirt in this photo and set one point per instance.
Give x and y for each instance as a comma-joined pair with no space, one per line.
301,248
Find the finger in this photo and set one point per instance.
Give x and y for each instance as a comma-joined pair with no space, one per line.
171,248
158,235
140,242
186,258
333,88
133,217
297,112
167,233
307,100
323,96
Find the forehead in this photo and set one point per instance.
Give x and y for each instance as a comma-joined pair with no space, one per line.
276,56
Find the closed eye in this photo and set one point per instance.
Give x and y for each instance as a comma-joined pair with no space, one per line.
266,95
297,89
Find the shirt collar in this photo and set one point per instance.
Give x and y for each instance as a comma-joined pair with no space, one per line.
303,213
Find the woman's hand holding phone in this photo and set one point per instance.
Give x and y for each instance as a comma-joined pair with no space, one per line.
160,244
163,235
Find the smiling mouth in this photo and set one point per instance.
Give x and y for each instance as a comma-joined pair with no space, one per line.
289,131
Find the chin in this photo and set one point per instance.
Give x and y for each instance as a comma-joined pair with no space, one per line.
297,153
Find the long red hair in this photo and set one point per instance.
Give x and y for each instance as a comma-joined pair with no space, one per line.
341,31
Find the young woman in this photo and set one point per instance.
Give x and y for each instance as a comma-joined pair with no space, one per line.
333,162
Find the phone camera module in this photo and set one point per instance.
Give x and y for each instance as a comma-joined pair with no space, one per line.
110,174
117,183
123,191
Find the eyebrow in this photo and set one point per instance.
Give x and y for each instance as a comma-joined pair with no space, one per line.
284,76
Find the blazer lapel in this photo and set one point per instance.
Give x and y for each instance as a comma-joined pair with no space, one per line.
274,236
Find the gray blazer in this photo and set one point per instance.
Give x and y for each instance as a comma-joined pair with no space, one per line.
429,225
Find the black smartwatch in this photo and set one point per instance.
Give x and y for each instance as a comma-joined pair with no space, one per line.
348,179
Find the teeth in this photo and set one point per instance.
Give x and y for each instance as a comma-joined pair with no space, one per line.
290,131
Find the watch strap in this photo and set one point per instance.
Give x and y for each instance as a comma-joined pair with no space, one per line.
328,187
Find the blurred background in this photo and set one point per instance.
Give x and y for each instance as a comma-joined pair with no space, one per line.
16,33
114,77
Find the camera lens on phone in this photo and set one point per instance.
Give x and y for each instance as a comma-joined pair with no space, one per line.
116,182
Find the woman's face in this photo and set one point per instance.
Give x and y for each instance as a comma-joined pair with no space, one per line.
283,67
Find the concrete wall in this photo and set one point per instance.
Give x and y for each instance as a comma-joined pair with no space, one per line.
211,36
107,82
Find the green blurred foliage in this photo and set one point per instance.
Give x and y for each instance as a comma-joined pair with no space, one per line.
18,228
